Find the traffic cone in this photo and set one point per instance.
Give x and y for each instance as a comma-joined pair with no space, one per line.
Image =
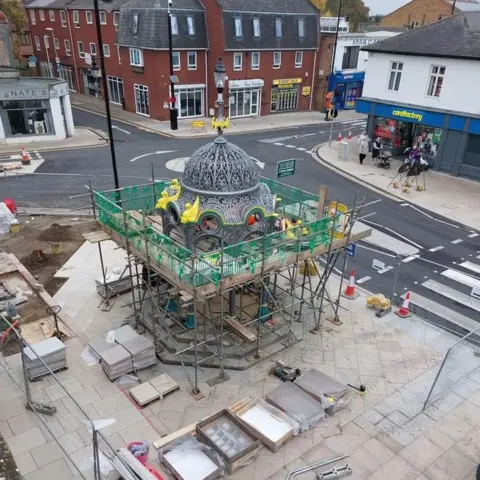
349,137
25,157
403,310
350,290
339,139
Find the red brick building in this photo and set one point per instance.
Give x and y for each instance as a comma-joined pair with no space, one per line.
269,48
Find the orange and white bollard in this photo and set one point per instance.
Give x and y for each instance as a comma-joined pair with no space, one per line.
403,310
339,139
349,137
350,291
25,157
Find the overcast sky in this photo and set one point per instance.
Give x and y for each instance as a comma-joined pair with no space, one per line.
383,6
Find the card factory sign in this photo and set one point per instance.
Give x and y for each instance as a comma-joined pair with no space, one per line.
24,93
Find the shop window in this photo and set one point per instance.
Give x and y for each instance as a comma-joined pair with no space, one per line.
437,74
298,59
278,28
191,26
115,89
192,60
136,57
301,28
63,18
394,134
190,102
103,18
277,59
427,139
237,61
32,17
176,61
472,154
255,60
81,51
174,24
350,57
238,27
256,27
142,102
28,117
396,69
88,16
51,14
135,24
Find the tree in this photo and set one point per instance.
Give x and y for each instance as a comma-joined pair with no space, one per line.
322,6
375,19
356,11
15,13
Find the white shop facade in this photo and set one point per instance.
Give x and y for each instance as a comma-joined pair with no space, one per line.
245,97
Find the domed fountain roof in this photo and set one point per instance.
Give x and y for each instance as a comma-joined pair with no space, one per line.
220,168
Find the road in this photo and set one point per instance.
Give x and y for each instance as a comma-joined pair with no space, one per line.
424,249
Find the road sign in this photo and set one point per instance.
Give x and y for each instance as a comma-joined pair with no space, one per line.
351,249
286,168
378,265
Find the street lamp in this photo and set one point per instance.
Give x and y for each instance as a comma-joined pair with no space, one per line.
173,100
219,75
54,50
45,41
336,37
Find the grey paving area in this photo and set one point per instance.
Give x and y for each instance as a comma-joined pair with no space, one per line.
386,431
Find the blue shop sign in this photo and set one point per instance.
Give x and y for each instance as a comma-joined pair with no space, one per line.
348,77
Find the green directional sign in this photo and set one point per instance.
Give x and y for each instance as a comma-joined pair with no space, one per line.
286,168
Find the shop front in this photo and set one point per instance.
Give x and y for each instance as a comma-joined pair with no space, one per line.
285,95
446,139
190,100
347,88
34,109
244,97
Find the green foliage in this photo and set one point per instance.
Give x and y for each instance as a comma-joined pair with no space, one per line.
356,11
15,13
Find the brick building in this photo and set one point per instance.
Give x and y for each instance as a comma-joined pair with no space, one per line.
269,48
419,13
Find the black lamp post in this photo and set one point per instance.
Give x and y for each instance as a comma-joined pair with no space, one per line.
336,37
173,100
219,75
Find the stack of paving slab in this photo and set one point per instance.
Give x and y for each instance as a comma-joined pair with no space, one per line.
129,353
53,353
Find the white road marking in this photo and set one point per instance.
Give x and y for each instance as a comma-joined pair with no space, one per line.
290,146
276,139
460,277
279,144
458,240
394,232
473,235
121,129
385,270
436,249
258,162
376,251
409,259
433,218
158,152
471,266
452,294
304,135
177,164
302,149
363,280
404,204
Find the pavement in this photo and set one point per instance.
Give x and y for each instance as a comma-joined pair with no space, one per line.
444,195
185,130
386,432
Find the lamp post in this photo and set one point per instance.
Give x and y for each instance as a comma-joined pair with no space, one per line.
105,92
45,41
219,74
173,100
336,37
54,50
453,6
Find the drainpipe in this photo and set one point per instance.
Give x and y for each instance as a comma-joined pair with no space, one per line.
206,112
74,47
313,80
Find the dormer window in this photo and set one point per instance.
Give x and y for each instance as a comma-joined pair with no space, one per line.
174,24
256,27
191,26
278,27
238,28
135,24
301,28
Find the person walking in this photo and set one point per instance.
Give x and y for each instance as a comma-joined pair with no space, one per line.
377,146
362,142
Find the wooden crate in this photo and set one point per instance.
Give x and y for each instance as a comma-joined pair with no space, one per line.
235,461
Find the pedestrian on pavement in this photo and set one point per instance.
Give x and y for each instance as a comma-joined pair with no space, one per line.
377,146
363,142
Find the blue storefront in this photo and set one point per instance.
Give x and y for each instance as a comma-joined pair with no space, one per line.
347,88
449,140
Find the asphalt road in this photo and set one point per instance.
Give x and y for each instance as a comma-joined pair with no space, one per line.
410,231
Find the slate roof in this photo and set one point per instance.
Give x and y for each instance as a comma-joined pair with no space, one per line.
466,6
50,4
88,5
452,37
153,25
269,6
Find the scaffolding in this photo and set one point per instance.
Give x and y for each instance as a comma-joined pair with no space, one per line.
232,307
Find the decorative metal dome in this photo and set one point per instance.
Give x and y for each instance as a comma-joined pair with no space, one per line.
220,168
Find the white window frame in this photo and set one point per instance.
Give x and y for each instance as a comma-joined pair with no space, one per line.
279,64
191,25
119,57
106,50
38,45
76,18
435,80
238,27
278,27
33,18
252,65
103,17
143,88
116,20
63,18
56,43
192,66
88,17
301,28
174,24
237,55
118,81
92,50
51,15
81,51
136,20
133,52
176,66
46,41
394,76
256,27
68,47
298,64
41,15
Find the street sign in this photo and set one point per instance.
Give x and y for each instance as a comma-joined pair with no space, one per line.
351,249
286,168
378,265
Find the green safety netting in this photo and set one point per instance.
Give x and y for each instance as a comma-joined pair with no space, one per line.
114,211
